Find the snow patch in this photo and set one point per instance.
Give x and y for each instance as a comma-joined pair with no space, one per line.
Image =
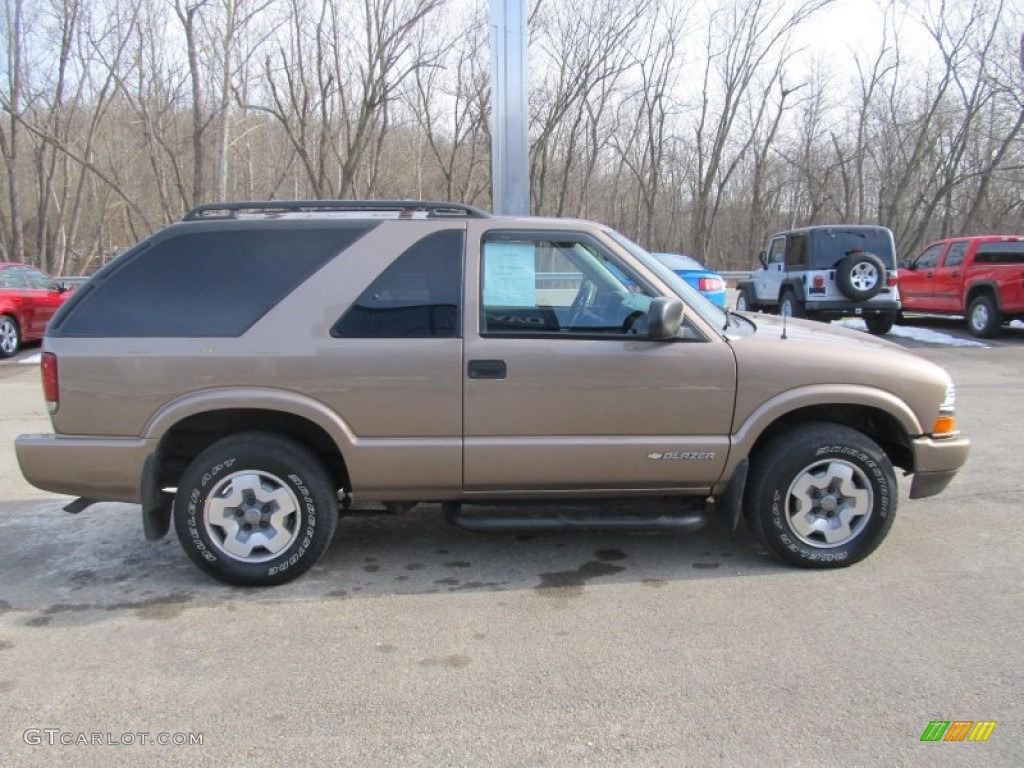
926,335
31,359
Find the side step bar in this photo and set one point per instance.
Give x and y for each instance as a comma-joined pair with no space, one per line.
689,521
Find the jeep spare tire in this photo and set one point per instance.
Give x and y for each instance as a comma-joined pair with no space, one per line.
860,275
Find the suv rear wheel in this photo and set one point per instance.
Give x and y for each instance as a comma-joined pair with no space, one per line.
255,509
879,325
790,306
821,495
983,318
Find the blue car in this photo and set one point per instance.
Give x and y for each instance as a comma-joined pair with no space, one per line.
696,274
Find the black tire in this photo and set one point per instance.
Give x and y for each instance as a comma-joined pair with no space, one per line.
10,336
791,305
745,300
860,275
294,499
983,318
879,325
844,480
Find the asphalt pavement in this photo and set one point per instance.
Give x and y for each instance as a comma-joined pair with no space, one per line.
416,644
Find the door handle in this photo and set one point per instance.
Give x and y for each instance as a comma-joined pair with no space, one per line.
487,369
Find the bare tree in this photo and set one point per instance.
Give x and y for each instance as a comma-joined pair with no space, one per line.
449,104
652,106
586,48
10,134
747,42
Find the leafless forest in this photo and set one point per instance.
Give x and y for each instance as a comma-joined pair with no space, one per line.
690,125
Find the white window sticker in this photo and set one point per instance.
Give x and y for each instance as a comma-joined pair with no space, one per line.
510,275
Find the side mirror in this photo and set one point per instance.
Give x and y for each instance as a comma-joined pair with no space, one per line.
907,264
763,258
62,288
664,317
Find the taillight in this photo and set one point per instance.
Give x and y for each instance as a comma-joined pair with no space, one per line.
891,279
819,281
51,383
709,284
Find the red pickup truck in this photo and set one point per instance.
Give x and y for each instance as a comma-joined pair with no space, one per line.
981,278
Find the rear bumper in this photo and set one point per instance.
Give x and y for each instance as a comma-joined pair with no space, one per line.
100,469
845,308
936,463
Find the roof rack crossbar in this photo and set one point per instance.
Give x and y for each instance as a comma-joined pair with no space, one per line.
403,207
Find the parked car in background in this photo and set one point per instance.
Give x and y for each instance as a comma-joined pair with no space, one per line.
28,299
825,273
696,274
980,277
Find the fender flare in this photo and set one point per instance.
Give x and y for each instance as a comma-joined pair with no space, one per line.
257,398
746,435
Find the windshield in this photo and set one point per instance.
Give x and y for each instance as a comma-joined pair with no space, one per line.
690,295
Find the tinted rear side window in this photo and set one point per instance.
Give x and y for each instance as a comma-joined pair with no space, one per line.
1000,253
213,283
417,296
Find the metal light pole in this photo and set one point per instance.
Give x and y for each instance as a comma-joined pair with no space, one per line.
510,171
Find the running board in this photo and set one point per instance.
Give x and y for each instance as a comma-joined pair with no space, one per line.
692,521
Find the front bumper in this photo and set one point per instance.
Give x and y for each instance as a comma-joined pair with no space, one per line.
95,468
936,462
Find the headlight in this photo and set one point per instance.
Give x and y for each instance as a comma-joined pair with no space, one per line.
949,401
945,424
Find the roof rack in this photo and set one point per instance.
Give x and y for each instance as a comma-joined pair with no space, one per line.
404,208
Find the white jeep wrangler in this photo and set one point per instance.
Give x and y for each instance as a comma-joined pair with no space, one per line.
827,272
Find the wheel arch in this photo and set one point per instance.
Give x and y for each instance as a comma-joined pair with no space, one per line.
13,315
794,284
878,424
981,288
889,431
188,426
880,415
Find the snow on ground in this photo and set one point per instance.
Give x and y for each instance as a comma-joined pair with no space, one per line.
917,334
30,360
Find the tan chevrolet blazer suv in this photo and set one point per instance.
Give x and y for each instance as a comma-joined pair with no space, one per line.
251,370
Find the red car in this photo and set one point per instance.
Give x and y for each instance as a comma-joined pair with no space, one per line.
28,299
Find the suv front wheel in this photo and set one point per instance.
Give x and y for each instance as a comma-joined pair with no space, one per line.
10,336
255,509
821,495
745,299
